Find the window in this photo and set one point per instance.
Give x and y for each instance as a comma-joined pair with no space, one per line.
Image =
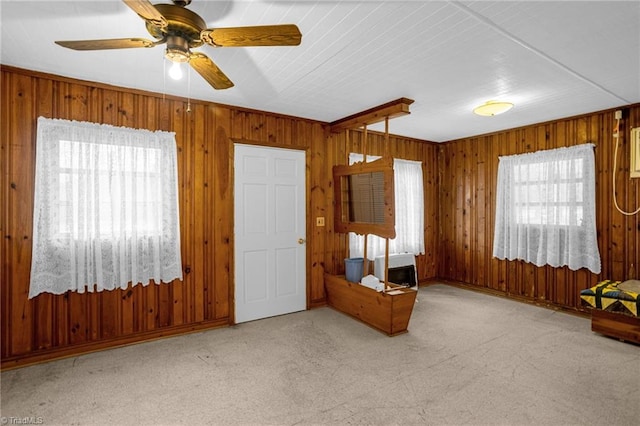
545,208
135,182
409,202
105,208
549,193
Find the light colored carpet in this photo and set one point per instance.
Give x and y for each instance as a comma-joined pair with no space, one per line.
469,358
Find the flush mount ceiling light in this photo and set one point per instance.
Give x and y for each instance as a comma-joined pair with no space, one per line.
491,108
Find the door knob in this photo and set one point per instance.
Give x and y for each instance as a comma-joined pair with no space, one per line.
301,241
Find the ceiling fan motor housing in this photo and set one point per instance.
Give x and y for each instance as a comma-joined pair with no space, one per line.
182,23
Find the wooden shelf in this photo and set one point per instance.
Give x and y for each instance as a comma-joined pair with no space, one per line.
388,313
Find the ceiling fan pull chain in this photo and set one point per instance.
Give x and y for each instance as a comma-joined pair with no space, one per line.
188,89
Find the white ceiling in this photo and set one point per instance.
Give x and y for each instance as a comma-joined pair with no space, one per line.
553,59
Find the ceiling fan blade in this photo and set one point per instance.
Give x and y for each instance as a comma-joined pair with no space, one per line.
267,35
114,43
209,71
148,12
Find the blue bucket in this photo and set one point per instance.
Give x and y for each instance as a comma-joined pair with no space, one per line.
353,269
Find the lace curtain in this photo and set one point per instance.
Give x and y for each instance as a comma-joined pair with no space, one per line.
409,201
105,208
545,208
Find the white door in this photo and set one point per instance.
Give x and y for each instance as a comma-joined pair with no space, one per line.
270,232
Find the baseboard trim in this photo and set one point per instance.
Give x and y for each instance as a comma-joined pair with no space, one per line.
46,355
543,304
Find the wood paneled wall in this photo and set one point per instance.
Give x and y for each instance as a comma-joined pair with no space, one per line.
459,191
51,326
468,171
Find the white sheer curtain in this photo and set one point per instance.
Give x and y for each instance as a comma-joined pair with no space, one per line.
409,201
545,208
105,208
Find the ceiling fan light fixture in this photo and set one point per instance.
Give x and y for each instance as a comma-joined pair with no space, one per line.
491,108
177,49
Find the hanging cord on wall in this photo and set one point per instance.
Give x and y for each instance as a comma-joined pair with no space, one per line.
616,136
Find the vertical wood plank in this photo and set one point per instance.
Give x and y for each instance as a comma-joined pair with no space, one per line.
318,208
209,218
6,274
197,114
223,214
21,168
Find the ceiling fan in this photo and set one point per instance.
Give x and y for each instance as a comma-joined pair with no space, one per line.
182,30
